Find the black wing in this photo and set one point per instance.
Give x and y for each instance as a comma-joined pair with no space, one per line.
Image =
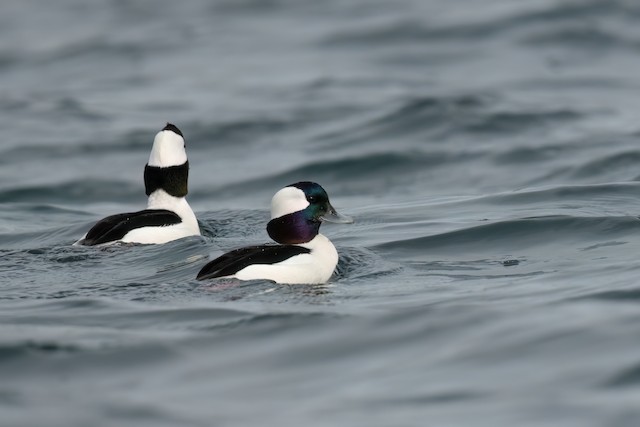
234,261
115,227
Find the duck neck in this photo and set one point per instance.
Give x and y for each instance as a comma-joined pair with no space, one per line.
160,199
172,179
293,229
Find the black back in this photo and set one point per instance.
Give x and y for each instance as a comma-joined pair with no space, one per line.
115,227
234,261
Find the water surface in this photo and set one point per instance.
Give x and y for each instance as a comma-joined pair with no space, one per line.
489,155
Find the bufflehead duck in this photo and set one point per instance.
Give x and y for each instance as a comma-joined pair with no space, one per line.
303,255
168,215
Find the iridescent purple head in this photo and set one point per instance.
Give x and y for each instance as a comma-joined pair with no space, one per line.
297,212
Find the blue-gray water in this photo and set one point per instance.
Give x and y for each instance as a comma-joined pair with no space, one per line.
489,151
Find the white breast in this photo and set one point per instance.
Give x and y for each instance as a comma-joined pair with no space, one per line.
312,268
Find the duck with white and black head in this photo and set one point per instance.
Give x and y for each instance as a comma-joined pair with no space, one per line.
302,255
168,216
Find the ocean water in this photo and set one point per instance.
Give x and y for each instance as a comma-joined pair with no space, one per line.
488,151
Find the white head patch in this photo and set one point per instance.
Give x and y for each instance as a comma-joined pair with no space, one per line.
168,150
288,200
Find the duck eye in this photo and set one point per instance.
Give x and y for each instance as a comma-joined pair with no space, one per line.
312,199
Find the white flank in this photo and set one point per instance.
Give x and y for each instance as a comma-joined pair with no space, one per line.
313,268
159,199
